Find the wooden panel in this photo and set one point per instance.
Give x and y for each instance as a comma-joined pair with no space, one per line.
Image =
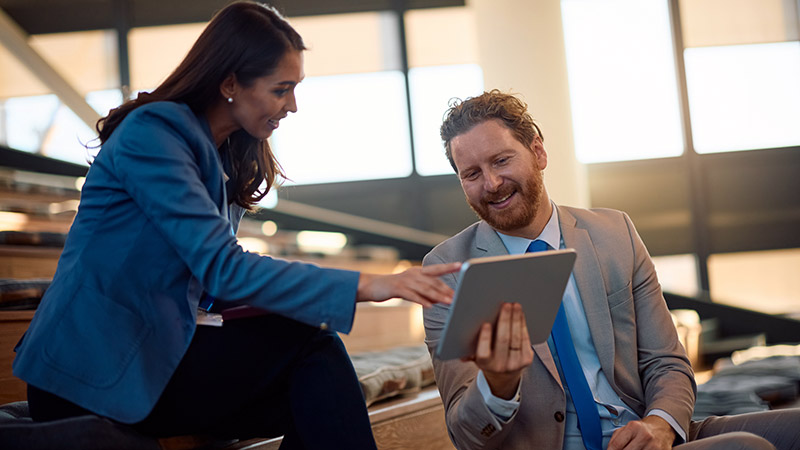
12,325
425,430
28,262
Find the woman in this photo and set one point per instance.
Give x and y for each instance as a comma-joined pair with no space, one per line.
116,335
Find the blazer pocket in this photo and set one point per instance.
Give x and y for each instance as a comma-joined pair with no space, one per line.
96,339
620,297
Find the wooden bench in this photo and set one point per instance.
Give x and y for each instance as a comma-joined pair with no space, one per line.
411,421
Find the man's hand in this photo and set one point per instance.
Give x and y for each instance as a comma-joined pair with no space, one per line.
503,358
650,433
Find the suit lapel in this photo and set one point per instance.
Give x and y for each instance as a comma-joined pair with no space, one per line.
589,280
487,242
542,351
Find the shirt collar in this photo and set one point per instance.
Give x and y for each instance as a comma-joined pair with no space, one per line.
551,234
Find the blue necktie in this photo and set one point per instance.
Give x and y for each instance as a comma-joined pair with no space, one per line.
588,418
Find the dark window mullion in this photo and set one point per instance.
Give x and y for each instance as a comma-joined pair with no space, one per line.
698,191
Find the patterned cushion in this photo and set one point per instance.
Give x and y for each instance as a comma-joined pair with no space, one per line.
393,372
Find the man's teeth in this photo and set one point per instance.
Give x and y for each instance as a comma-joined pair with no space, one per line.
502,199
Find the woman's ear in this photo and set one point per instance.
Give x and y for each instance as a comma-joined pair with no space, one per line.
229,86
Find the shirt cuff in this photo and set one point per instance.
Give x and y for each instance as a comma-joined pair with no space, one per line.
501,408
672,422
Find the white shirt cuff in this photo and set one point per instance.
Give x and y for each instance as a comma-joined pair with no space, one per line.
501,408
671,421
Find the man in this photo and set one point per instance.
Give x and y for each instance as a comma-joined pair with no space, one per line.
633,371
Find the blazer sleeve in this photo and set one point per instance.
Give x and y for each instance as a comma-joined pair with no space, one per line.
470,422
666,374
157,164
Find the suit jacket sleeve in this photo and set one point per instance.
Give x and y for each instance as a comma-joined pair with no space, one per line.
666,374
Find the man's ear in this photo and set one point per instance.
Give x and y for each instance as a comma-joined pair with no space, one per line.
539,152
229,86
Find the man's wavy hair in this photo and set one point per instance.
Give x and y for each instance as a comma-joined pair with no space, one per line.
462,116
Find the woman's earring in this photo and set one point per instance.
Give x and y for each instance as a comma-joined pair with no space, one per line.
230,99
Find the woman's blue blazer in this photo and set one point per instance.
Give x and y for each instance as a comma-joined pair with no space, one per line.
153,232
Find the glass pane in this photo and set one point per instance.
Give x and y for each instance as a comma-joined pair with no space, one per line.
28,119
443,56
725,22
349,43
68,137
678,274
42,123
87,60
441,36
432,89
348,127
622,80
764,281
744,97
156,51
16,80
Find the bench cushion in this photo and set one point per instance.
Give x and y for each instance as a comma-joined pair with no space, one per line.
388,373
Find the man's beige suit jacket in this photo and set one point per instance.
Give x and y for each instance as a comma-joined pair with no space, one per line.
630,326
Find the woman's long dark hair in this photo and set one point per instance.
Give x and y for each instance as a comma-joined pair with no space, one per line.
245,39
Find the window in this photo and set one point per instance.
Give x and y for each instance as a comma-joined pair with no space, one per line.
352,120
765,281
28,119
348,127
155,52
443,61
622,79
744,97
34,119
742,63
678,274
742,66
432,90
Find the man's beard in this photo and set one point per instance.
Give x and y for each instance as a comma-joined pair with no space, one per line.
513,218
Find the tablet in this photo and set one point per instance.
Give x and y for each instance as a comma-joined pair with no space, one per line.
535,280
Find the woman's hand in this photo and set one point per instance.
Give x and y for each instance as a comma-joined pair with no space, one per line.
417,284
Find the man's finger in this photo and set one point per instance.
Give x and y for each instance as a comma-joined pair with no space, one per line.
515,342
484,349
503,333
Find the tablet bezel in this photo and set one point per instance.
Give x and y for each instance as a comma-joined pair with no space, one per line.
535,280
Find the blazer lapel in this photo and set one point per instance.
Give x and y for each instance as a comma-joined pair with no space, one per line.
589,280
487,242
542,351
